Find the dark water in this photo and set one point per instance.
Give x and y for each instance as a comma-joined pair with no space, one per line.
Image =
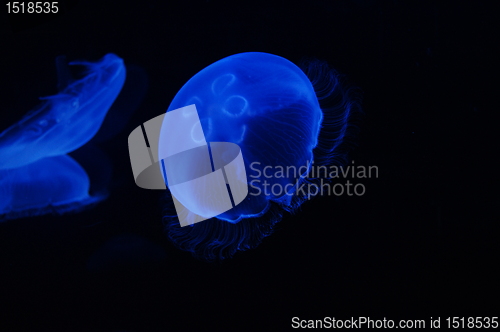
420,242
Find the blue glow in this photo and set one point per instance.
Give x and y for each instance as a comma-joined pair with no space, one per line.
58,184
66,121
36,175
280,116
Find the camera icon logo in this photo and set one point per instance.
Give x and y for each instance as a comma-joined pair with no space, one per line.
204,178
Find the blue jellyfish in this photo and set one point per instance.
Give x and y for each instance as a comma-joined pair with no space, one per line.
285,119
36,175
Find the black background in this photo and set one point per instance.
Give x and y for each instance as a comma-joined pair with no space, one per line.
421,242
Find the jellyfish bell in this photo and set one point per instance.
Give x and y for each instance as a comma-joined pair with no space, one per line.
266,105
50,185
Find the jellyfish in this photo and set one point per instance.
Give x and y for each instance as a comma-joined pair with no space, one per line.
36,174
284,119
